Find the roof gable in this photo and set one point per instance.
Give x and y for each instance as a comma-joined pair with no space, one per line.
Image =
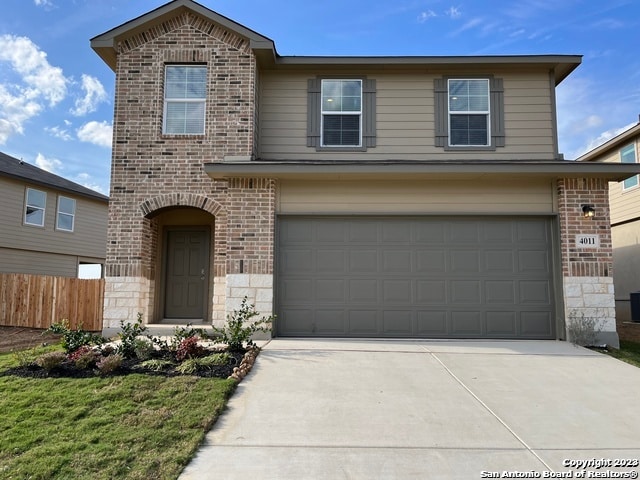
17,169
613,144
157,22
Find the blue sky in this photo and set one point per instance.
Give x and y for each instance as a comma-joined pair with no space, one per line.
56,94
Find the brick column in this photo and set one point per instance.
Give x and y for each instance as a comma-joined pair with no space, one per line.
587,271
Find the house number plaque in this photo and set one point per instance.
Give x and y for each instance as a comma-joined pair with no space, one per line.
587,241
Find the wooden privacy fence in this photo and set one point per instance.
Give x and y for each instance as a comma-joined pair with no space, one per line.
37,301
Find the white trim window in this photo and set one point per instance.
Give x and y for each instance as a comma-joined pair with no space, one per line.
185,89
66,217
341,113
628,155
34,207
468,105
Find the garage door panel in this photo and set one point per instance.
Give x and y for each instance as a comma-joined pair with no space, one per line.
296,291
397,291
434,232
465,261
535,292
536,324
501,324
330,261
330,322
431,262
500,291
363,231
466,323
298,261
531,261
462,277
397,261
432,323
363,261
362,290
397,322
499,261
330,290
465,291
431,292
363,322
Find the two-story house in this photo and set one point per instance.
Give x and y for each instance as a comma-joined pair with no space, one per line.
350,196
624,198
49,225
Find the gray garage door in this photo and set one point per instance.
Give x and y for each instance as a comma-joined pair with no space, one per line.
463,277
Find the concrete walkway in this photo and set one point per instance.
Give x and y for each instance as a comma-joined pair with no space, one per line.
344,409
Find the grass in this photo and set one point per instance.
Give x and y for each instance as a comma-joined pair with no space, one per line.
127,427
629,352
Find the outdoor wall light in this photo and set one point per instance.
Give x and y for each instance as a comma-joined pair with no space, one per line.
588,211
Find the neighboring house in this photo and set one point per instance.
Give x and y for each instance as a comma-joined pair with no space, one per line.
49,225
624,199
350,196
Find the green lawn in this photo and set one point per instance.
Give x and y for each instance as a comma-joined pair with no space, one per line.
127,427
629,352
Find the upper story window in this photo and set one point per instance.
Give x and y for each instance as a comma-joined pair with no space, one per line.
184,99
469,113
66,214
628,155
341,113
35,205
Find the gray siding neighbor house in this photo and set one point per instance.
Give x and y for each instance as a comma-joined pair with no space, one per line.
380,197
624,199
48,225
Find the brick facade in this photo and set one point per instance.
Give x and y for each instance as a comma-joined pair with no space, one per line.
587,272
152,172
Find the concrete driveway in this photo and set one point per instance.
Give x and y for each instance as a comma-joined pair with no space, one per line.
369,409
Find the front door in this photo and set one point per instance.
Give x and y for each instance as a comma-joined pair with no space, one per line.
187,273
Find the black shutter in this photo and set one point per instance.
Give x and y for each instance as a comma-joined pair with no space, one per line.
497,113
441,112
368,112
314,91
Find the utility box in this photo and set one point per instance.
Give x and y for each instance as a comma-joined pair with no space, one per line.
635,306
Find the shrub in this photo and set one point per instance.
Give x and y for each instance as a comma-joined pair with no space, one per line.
214,360
236,331
157,365
143,349
51,360
74,339
129,332
188,367
189,348
85,357
26,357
583,330
109,364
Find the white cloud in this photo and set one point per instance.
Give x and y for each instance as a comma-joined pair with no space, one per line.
85,180
424,16
49,164
39,82
95,94
58,132
98,133
43,3
603,137
453,12
41,78
474,22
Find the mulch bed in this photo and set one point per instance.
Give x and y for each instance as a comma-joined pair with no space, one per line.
129,366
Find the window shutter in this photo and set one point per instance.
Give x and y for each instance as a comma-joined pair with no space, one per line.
368,112
441,112
314,89
497,113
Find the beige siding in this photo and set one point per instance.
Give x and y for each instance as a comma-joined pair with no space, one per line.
625,204
415,197
87,240
37,263
405,118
